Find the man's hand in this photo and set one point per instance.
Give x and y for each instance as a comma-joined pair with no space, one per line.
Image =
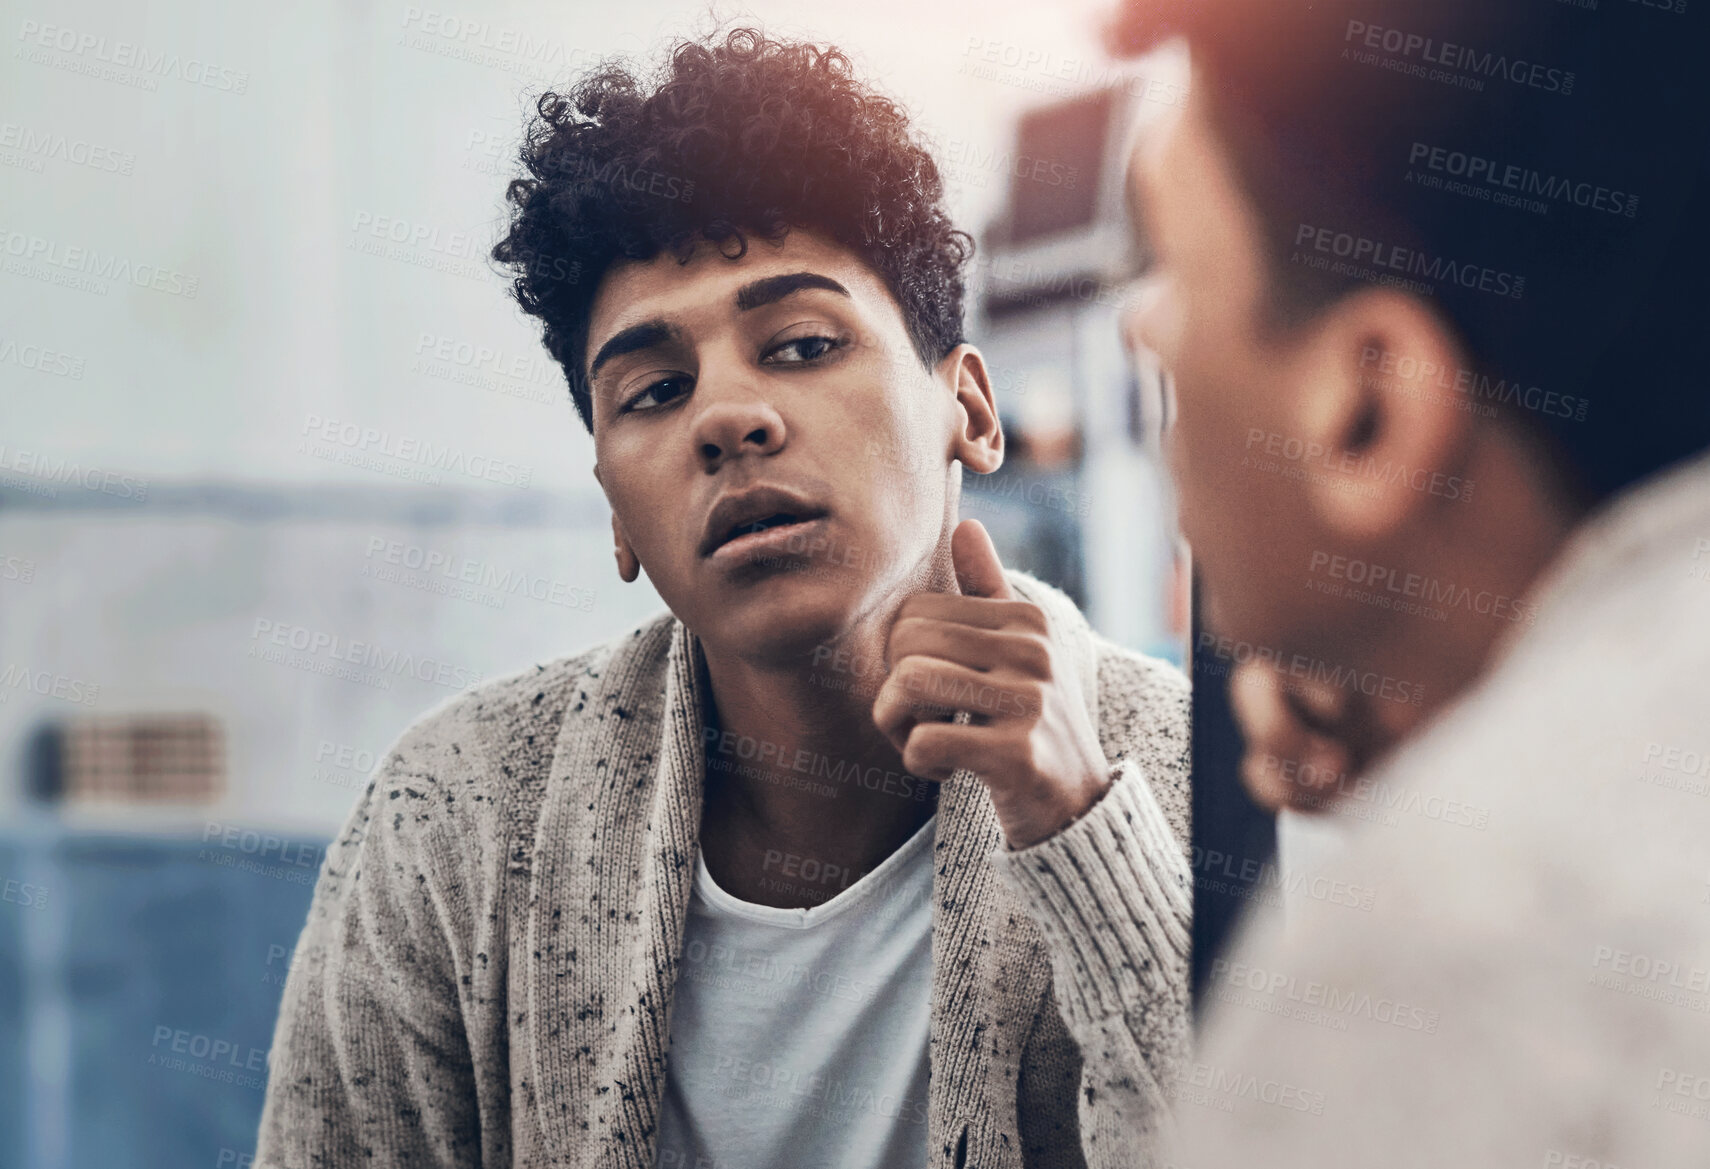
1296,734
1030,738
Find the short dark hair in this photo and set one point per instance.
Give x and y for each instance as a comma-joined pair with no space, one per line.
1540,141
741,135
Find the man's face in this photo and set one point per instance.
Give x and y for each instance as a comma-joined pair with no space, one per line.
779,391
1201,313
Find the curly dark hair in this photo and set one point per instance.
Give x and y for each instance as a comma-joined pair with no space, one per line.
742,134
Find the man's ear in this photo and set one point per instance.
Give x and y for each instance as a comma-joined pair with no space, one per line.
1379,413
628,563
978,440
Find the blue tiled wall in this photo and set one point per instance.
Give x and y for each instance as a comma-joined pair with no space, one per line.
138,991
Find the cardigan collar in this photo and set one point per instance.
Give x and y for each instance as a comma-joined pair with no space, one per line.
608,912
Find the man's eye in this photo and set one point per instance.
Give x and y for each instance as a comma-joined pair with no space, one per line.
803,349
660,393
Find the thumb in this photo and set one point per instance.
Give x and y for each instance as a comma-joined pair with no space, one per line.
979,572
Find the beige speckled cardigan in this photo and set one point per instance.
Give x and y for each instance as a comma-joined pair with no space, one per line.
489,959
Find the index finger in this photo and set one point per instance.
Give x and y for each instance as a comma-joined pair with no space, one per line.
981,612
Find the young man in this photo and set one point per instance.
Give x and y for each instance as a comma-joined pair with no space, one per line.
1430,280
751,885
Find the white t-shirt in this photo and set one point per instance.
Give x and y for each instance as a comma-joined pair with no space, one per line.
798,1036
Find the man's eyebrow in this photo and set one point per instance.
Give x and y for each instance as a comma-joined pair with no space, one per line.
775,288
637,337
756,294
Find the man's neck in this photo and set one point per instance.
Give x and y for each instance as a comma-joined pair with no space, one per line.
804,794
1478,568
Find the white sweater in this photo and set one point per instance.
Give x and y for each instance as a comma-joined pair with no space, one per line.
1531,983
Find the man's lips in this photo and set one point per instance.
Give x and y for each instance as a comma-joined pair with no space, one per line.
746,517
797,539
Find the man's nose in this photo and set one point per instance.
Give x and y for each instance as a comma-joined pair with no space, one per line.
740,422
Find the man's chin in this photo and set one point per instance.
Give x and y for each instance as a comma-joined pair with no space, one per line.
783,617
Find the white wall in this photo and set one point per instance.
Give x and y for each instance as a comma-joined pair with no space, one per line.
247,162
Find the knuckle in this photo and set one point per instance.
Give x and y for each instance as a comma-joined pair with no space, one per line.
1031,616
918,756
1033,654
1030,696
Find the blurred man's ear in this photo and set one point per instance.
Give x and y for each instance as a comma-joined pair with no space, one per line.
978,440
1379,413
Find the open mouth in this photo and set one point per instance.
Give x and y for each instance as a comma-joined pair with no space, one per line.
782,519
762,517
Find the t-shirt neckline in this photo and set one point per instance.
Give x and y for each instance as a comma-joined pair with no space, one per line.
807,916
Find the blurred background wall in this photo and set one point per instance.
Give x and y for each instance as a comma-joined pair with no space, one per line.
242,265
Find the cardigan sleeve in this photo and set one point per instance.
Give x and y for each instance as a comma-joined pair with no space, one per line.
370,1063
1112,897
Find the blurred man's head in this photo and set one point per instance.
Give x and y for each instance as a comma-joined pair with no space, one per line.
747,272
1429,280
